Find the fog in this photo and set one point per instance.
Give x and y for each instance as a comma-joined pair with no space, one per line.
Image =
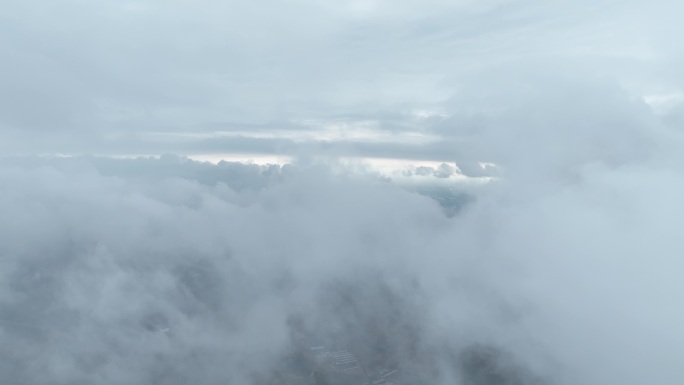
140,272
475,193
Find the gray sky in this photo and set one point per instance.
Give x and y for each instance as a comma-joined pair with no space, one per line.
172,271
367,78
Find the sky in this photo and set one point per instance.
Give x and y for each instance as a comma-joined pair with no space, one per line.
479,192
359,78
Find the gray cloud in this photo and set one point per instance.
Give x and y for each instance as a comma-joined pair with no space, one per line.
143,271
82,78
561,269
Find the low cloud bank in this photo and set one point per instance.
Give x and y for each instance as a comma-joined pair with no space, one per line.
173,271
561,265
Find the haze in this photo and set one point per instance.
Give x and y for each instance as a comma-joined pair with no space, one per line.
352,192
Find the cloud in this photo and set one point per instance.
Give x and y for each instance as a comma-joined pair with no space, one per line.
531,235
145,270
144,278
101,79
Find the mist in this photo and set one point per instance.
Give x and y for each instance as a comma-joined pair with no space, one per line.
454,193
120,276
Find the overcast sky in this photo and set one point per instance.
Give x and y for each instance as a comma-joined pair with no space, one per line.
362,78
563,268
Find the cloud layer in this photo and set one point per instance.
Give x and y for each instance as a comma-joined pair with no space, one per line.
364,78
528,231
146,271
